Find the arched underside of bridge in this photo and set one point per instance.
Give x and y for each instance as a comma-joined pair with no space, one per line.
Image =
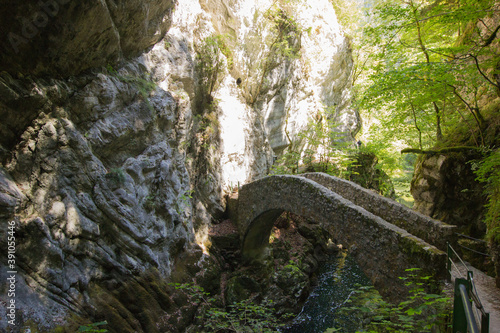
381,249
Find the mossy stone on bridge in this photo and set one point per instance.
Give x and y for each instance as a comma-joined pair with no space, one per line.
383,250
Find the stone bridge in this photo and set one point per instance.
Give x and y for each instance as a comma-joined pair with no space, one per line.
362,221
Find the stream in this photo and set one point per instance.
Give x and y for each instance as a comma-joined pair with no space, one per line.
337,276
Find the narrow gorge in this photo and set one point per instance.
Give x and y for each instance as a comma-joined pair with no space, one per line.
126,124
142,150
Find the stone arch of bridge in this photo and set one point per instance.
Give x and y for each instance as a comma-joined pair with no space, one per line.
382,250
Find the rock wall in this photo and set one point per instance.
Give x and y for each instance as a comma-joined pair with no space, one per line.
64,37
101,191
364,171
444,187
115,157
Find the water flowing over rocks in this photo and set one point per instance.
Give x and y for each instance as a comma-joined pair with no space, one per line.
115,160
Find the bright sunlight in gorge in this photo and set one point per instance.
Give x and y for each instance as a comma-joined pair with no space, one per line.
293,166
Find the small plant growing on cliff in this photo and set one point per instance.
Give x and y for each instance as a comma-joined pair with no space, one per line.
211,63
209,127
93,328
144,86
287,43
150,202
488,172
184,201
286,164
187,195
116,176
111,70
282,45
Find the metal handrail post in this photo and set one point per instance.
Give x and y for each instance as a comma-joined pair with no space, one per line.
485,323
470,277
448,260
465,296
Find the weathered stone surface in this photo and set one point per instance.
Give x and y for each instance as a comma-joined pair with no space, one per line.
363,171
432,231
382,250
278,96
444,187
11,196
22,101
105,192
65,37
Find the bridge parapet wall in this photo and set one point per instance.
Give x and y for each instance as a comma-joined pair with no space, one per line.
381,249
432,231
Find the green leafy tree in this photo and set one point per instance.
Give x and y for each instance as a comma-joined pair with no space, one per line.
426,70
431,66
212,57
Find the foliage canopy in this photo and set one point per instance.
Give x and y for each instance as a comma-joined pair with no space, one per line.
431,65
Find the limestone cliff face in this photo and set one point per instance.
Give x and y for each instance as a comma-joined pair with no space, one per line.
64,37
115,156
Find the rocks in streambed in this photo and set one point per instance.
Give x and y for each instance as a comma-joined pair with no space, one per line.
226,243
241,287
296,247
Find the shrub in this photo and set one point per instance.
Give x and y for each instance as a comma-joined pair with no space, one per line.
488,172
116,176
420,312
244,316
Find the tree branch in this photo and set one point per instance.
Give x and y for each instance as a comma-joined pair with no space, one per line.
481,71
446,150
492,37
